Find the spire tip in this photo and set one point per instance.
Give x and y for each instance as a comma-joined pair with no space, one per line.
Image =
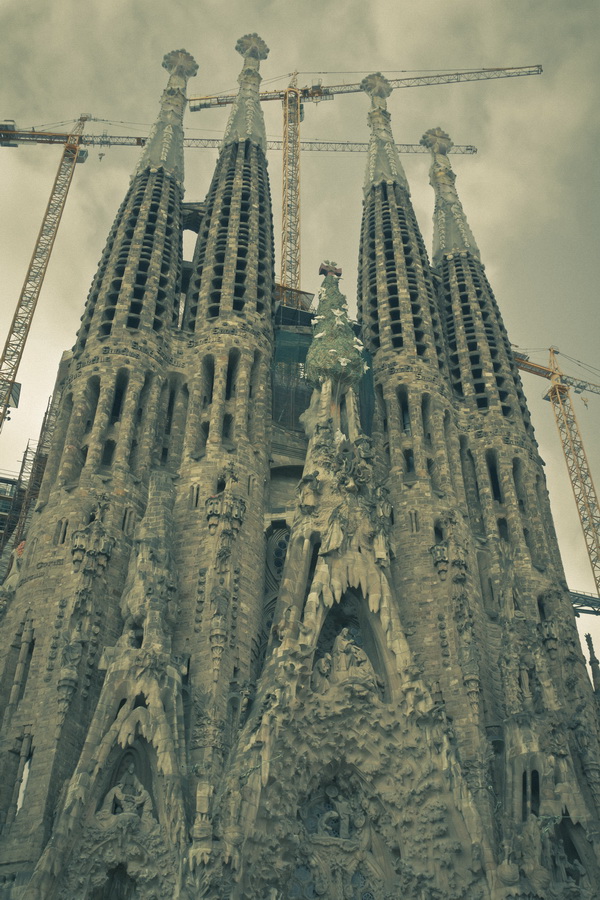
437,140
252,46
330,268
376,85
180,60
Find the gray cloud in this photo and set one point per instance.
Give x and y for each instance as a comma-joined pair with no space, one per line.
531,194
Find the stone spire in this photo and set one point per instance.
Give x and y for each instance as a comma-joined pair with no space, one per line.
246,121
164,148
451,230
594,664
384,160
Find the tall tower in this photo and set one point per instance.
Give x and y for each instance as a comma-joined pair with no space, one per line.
249,653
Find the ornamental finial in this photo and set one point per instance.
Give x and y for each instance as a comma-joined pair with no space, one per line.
180,62
328,267
437,141
252,46
377,85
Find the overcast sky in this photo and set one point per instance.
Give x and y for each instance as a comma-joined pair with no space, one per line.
531,193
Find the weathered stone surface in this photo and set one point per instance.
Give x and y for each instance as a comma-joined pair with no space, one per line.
242,662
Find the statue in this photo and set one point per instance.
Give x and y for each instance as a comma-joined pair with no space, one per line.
351,663
129,798
334,536
73,649
308,490
148,602
14,573
321,673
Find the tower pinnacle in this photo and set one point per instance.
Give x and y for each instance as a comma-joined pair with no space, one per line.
246,120
384,161
451,229
164,148
335,352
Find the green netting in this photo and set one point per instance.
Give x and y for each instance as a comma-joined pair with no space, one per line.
291,390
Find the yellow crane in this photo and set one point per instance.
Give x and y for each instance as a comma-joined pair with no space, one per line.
586,498
26,304
293,99
73,152
75,145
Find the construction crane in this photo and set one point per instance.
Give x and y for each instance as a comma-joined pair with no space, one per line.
74,151
10,136
21,323
586,498
293,98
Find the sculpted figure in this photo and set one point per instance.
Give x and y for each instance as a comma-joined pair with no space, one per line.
14,573
308,489
73,649
341,655
350,662
510,673
321,673
128,797
148,602
334,536
531,848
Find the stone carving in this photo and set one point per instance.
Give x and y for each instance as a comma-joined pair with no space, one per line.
331,815
220,600
227,508
10,583
439,553
531,854
308,489
333,355
350,663
202,831
69,675
321,674
550,633
91,547
148,604
127,798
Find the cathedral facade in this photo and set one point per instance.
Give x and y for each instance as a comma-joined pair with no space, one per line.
290,620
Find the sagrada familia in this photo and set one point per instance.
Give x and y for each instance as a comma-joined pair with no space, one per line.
290,620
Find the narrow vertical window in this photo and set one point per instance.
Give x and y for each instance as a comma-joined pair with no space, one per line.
492,463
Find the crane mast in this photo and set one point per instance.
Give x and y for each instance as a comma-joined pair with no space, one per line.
580,476
21,323
290,226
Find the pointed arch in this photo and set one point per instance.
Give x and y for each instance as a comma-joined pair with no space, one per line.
348,632
336,811
128,786
118,886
